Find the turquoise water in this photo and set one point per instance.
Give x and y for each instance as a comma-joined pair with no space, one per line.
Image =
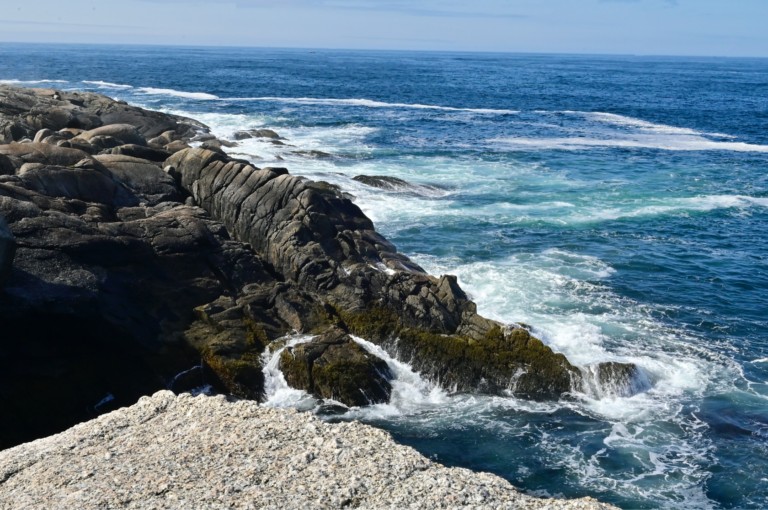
619,205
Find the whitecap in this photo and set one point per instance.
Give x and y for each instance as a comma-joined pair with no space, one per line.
176,93
12,82
106,84
636,141
368,103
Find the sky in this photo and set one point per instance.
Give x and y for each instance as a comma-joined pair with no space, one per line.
737,28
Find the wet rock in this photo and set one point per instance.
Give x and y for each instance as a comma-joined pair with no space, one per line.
264,133
333,366
7,251
613,379
242,135
313,154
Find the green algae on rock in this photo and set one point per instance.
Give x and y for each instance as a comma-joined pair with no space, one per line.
333,366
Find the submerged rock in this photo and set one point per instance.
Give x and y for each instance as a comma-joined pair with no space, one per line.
613,379
381,181
333,366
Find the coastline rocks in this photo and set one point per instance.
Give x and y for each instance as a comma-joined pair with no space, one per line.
333,366
20,153
25,111
126,133
327,246
181,452
7,251
127,275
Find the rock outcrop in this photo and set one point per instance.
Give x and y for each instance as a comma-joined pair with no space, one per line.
333,366
208,453
129,271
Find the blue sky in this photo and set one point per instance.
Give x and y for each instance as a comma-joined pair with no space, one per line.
640,27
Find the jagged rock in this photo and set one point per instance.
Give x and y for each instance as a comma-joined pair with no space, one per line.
117,286
328,246
333,366
7,251
381,181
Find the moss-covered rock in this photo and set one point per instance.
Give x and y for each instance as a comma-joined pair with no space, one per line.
333,366
501,361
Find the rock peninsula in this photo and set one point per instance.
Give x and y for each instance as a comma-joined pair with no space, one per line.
137,255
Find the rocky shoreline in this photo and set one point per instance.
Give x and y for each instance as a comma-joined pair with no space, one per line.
136,255
181,452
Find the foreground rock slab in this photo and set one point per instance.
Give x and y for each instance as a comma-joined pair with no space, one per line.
187,452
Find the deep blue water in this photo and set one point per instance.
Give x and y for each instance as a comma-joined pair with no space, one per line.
617,204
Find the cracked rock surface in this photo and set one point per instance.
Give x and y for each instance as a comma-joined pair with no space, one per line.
185,452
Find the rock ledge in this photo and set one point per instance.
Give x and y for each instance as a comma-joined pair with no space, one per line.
171,451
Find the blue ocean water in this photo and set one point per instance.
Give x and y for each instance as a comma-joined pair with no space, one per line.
619,205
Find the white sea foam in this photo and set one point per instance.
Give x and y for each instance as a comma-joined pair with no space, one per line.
16,82
176,93
636,141
108,85
369,104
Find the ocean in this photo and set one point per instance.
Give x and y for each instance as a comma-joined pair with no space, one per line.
617,204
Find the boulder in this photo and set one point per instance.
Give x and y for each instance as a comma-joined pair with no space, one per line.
176,146
20,153
333,366
126,133
7,251
382,181
263,133
242,135
144,178
141,152
42,134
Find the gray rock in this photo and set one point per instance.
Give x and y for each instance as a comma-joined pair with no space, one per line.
143,177
126,133
264,133
42,134
20,153
242,135
7,251
206,453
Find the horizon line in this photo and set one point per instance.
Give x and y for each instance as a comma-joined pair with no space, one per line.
319,48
